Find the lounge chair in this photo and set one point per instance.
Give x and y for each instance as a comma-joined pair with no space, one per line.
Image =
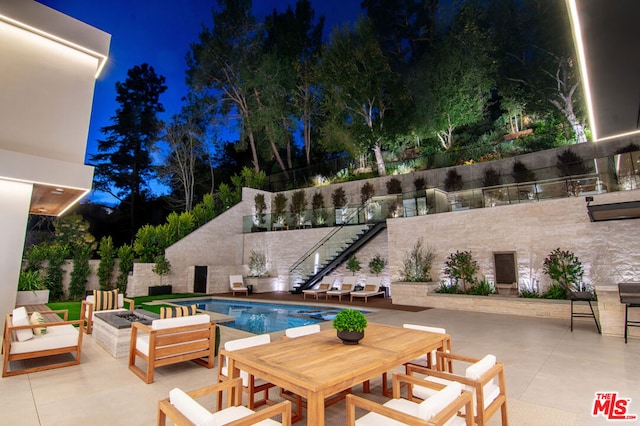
323,287
371,288
183,410
441,408
348,283
236,283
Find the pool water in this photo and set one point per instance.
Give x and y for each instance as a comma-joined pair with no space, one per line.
259,318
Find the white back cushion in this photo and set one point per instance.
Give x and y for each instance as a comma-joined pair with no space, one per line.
161,324
235,279
432,406
476,370
247,342
20,317
195,412
302,331
425,328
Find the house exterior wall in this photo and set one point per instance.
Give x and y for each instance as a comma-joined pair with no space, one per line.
49,64
609,251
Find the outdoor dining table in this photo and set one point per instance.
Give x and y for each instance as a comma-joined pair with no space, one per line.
320,365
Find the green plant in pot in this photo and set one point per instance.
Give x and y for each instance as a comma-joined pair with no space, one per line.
377,264
565,270
30,281
350,324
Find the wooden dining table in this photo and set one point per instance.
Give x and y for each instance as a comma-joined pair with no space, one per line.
319,365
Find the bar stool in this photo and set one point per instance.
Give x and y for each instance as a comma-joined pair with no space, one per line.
630,296
582,296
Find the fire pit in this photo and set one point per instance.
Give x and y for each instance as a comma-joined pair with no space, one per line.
112,330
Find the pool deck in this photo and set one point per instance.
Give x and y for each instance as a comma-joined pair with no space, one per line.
552,373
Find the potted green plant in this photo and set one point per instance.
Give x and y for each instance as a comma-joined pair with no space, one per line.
417,263
353,264
260,209
377,264
319,214
279,207
565,270
350,324
31,289
461,267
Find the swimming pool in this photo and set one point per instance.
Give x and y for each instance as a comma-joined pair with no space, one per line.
259,318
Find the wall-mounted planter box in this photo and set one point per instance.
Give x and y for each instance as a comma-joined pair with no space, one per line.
36,297
157,290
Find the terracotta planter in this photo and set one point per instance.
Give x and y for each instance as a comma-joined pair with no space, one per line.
350,337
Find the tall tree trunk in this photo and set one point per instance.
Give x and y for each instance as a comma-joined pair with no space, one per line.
377,151
254,152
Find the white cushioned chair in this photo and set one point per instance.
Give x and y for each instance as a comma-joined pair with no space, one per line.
172,340
484,377
88,310
183,410
250,384
325,285
371,289
443,407
236,284
428,360
346,287
20,343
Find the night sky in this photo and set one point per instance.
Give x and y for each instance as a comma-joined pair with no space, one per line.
159,33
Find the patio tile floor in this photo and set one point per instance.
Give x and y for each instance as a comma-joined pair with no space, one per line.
552,374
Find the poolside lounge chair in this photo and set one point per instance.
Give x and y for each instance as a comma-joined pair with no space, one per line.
182,408
236,283
348,283
441,408
484,377
371,288
323,287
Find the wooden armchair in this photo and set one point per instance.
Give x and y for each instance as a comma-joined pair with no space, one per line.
182,408
484,377
443,407
172,340
20,342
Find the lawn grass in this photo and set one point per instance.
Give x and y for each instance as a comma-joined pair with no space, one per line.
74,307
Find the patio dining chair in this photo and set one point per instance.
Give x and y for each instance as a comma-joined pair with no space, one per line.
483,377
428,360
443,407
183,409
250,384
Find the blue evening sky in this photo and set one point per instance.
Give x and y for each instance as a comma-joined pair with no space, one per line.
159,33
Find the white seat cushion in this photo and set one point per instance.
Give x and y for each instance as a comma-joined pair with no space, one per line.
56,337
200,416
427,408
231,414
